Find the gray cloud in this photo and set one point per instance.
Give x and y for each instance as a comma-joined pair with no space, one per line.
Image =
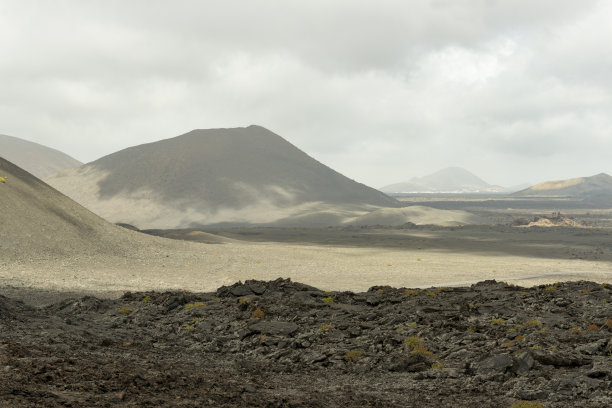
512,90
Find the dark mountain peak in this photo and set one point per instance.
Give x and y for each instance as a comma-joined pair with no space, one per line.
220,174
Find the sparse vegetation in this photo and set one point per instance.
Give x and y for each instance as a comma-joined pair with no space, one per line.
423,351
533,323
437,365
326,327
328,300
125,310
353,355
411,292
189,327
498,321
418,347
243,300
592,327
146,299
413,341
258,313
190,306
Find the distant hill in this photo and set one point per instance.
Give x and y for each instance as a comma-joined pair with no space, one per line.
449,180
239,175
37,159
593,187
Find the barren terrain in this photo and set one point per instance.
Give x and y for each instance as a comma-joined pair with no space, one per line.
285,344
190,333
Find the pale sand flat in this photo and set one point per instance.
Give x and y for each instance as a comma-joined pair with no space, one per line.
331,268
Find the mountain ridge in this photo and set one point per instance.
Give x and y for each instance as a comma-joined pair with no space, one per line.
598,185
447,180
40,160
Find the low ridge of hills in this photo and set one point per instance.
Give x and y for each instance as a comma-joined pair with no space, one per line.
448,180
236,175
41,161
594,187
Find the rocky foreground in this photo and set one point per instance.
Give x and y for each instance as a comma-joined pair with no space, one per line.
286,344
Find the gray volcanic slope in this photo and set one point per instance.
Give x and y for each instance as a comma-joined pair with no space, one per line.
594,187
39,160
247,175
451,179
38,222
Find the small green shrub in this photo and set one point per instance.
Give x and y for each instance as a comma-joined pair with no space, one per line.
411,292
125,310
413,341
431,293
533,323
146,299
423,351
195,305
437,365
380,291
328,300
499,321
412,325
189,327
243,300
326,327
353,355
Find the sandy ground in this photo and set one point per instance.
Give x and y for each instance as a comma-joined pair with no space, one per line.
336,260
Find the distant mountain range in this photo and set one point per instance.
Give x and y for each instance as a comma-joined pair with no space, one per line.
449,180
238,175
37,159
598,186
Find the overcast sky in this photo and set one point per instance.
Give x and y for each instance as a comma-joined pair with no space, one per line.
513,90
